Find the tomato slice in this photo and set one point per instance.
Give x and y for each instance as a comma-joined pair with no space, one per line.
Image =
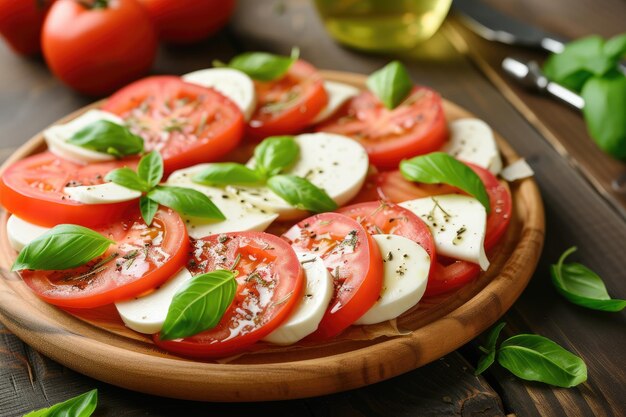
187,123
380,217
269,284
417,126
32,189
288,105
353,260
142,259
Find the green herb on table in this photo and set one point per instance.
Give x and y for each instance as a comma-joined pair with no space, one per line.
582,286
391,84
108,137
81,406
262,66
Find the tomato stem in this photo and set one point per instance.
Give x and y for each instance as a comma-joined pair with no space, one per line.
94,4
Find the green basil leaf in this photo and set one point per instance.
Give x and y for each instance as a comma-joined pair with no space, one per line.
489,351
582,286
605,112
536,358
262,66
391,84
128,178
150,168
301,193
227,173
63,247
186,201
199,304
275,154
81,406
616,47
108,137
439,167
148,209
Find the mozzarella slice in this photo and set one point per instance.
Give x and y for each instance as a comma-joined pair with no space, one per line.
20,232
472,140
338,94
241,215
147,314
517,170
405,267
57,136
105,193
307,315
234,84
332,162
458,225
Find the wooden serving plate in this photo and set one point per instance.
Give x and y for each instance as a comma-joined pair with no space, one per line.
103,348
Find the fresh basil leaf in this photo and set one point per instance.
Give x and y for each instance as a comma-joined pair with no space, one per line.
605,112
186,201
391,84
301,193
150,168
262,66
227,173
489,351
199,304
81,406
128,178
108,137
616,47
275,154
148,209
536,358
582,286
63,247
439,167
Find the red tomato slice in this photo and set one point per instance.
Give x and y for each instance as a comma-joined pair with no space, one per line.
379,217
187,123
288,105
270,281
32,189
353,260
417,126
141,260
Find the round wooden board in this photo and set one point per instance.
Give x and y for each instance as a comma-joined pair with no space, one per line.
107,351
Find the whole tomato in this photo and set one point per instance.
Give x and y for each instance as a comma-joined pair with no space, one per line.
187,21
97,46
21,22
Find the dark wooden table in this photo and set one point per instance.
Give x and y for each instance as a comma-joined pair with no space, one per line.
576,214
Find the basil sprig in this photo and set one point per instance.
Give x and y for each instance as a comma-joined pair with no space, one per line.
63,247
301,193
149,173
227,173
81,406
199,304
108,137
262,66
391,84
275,154
439,167
582,286
534,358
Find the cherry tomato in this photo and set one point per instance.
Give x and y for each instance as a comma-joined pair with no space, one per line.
21,22
187,123
32,189
186,21
353,260
417,126
142,259
97,46
269,284
288,105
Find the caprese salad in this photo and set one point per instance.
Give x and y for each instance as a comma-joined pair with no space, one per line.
255,201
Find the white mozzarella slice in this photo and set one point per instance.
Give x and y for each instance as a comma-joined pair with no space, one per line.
458,225
472,140
307,315
105,193
405,267
517,170
241,215
147,314
335,163
20,232
338,94
234,84
57,136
